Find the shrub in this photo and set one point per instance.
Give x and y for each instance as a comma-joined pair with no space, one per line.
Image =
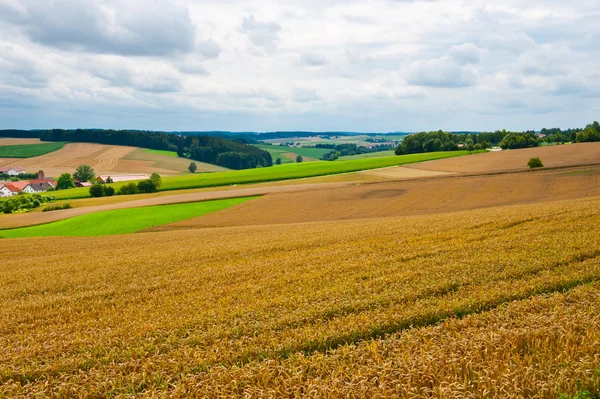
108,191
97,190
130,188
299,159
535,163
192,168
57,207
146,186
155,177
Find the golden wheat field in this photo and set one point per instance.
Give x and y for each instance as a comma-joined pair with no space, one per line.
497,302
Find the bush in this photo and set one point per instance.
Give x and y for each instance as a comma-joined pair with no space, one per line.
57,207
130,188
299,159
97,190
535,163
109,191
146,186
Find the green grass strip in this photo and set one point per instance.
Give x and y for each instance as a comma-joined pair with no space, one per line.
29,150
123,221
162,152
277,173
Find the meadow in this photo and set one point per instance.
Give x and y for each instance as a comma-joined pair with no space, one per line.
122,221
498,302
281,172
162,152
277,152
29,150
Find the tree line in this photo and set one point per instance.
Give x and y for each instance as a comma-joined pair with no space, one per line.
446,141
220,151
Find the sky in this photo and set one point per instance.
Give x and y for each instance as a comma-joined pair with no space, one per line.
329,65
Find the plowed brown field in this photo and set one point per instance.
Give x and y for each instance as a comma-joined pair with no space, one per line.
105,159
551,156
403,198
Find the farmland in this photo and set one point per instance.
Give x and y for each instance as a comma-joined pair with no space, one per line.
484,302
122,221
283,172
105,159
29,150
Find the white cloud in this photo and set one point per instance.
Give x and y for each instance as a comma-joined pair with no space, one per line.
359,65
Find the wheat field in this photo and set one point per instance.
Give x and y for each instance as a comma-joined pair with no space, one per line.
496,302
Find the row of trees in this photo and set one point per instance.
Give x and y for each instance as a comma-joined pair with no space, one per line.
233,154
24,202
342,150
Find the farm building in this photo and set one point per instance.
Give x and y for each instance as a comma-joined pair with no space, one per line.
121,178
11,170
19,185
8,190
82,183
33,188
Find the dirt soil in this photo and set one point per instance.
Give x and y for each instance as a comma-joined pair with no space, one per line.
511,160
404,198
17,141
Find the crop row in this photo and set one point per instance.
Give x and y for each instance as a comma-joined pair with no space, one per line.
148,313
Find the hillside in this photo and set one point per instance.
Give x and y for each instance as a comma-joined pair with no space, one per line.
263,310
106,159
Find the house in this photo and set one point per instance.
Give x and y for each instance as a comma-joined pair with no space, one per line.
19,185
49,181
11,170
4,191
82,183
121,178
8,190
33,188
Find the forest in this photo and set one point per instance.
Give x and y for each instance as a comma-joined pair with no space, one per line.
220,151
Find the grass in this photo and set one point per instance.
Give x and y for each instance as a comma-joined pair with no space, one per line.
453,305
122,221
315,153
282,172
277,152
379,154
162,152
29,150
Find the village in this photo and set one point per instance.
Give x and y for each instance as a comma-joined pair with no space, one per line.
13,181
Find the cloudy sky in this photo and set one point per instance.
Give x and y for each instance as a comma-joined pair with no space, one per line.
364,65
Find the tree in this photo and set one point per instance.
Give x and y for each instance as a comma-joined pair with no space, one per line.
130,188
193,167
470,147
109,180
97,190
155,178
299,158
278,161
65,181
535,163
146,186
84,173
108,191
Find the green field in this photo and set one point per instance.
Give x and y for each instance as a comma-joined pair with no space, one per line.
162,152
282,172
315,153
369,155
122,221
276,152
29,150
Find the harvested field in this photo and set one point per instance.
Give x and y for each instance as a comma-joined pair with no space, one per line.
131,201
368,308
171,163
105,159
16,141
404,198
552,156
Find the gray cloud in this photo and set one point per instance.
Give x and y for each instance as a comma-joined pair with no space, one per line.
127,28
313,59
261,34
305,95
467,53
